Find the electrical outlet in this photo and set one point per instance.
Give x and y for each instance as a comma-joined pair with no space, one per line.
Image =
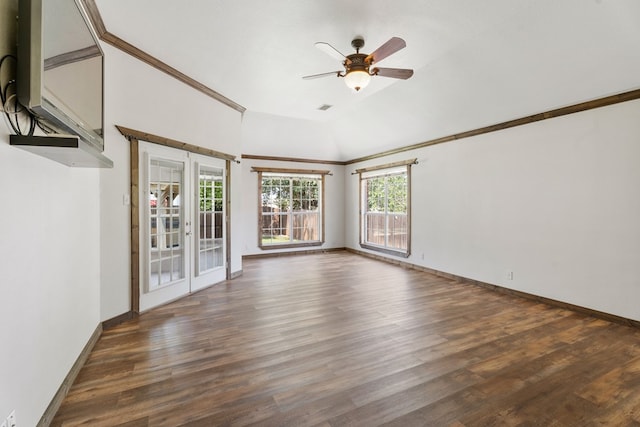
509,275
11,419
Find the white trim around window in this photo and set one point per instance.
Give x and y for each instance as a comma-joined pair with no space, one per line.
385,208
291,207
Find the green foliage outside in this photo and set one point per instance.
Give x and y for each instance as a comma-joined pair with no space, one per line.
391,189
290,193
211,195
286,200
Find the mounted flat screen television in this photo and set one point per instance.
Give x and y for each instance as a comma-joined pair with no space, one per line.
60,80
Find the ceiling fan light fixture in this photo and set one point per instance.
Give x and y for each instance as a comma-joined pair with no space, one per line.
357,79
357,66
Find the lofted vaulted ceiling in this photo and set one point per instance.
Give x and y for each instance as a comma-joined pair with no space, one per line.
477,63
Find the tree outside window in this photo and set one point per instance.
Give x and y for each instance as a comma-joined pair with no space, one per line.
291,212
385,221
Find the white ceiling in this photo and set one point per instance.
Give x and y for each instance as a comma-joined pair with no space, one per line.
476,63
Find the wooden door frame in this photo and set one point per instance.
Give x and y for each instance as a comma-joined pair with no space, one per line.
134,137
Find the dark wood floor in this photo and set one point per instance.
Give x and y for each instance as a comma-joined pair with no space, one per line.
338,339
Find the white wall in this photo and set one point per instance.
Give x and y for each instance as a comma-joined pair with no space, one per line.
50,264
334,205
140,97
271,135
555,202
64,253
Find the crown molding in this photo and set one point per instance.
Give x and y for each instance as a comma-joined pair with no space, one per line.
558,112
104,35
115,41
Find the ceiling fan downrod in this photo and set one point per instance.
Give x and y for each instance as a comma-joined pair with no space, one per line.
357,43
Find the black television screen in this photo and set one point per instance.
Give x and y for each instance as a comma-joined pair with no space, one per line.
60,69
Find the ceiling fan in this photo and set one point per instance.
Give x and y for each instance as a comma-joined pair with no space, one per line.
357,66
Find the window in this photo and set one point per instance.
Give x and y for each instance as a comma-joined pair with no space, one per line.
291,208
210,219
166,246
385,223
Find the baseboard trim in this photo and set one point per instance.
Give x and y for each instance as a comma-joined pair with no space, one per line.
53,407
292,253
236,274
496,288
115,321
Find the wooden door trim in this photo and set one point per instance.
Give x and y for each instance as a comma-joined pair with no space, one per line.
134,137
168,142
134,175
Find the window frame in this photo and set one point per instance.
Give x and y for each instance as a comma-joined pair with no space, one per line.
389,169
292,174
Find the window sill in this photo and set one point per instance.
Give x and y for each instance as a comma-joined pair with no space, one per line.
290,245
403,254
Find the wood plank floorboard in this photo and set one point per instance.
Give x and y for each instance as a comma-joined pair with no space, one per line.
338,339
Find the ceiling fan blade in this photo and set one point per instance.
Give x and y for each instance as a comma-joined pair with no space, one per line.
393,45
331,51
316,76
394,73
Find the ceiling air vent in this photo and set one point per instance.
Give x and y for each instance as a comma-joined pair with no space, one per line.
324,107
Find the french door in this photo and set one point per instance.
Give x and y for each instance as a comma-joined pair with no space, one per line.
182,223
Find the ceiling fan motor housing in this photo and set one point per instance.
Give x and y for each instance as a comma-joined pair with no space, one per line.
357,73
357,67
357,62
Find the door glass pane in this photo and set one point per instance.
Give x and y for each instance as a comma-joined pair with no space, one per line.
166,246
211,219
